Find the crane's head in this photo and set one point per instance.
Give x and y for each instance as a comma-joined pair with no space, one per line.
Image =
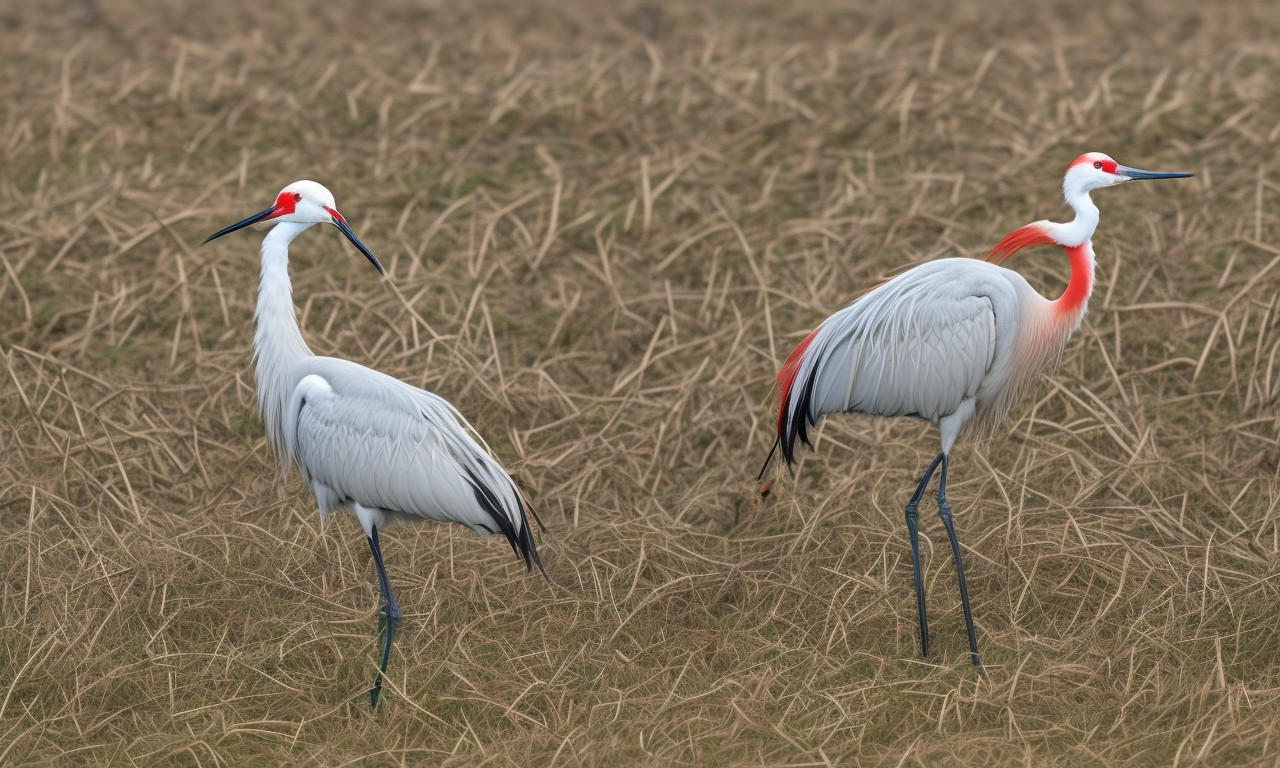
304,202
1094,169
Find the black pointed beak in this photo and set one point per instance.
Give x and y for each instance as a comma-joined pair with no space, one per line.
345,229
254,219
1135,173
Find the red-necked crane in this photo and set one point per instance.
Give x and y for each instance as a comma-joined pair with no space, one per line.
952,341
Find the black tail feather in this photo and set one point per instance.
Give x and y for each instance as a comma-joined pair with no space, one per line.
526,536
796,427
802,418
521,541
528,508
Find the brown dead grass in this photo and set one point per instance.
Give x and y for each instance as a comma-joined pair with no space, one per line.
605,228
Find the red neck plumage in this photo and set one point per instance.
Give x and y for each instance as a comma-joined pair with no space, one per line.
1073,299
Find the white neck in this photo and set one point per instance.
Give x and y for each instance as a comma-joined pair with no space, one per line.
1079,230
277,340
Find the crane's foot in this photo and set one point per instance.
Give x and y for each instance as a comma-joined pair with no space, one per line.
944,512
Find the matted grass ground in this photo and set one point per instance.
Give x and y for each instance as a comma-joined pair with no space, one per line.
605,227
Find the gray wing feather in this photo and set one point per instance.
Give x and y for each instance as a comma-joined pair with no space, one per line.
919,344
377,441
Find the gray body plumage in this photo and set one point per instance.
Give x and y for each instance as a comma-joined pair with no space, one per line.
386,450
947,341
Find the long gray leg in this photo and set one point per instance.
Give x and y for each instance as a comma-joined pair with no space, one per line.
944,512
390,615
913,517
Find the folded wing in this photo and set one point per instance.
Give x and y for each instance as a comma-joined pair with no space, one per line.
362,436
918,345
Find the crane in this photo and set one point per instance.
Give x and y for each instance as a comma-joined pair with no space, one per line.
951,341
386,450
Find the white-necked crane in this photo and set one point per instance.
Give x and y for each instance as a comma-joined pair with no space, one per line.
386,450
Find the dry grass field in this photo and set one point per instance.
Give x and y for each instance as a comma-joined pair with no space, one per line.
605,225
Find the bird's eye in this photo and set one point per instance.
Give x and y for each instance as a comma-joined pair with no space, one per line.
1096,164
297,196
